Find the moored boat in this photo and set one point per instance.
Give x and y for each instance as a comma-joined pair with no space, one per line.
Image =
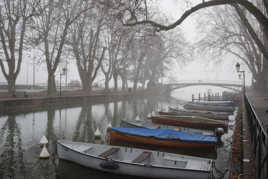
211,115
190,121
135,162
215,103
200,111
161,137
150,125
209,107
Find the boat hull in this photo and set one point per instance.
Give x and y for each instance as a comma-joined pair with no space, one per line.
207,115
124,168
215,103
190,123
209,107
117,137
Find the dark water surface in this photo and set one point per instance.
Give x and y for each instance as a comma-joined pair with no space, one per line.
20,135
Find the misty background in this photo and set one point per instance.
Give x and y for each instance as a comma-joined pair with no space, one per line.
200,66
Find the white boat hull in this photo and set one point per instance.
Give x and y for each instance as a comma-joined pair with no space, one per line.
127,168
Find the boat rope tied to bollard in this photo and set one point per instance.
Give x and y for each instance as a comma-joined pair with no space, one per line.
44,153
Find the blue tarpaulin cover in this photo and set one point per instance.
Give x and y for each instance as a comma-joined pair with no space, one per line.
167,134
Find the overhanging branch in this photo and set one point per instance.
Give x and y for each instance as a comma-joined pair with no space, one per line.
262,19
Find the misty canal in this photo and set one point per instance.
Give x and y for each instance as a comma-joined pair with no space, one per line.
20,135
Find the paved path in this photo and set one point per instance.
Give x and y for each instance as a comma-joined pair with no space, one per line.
259,101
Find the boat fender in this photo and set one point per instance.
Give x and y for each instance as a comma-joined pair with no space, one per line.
109,164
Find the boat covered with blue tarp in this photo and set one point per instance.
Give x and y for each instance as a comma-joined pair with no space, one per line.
167,134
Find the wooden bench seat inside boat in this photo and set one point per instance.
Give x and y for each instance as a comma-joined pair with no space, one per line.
142,157
109,152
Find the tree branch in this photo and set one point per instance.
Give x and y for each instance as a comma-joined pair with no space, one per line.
248,5
251,31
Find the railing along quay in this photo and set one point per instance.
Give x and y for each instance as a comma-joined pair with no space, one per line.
259,139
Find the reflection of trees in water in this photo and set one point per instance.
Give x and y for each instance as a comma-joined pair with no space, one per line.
84,129
50,132
115,114
11,158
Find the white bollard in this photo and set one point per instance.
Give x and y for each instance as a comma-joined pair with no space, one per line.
138,118
44,153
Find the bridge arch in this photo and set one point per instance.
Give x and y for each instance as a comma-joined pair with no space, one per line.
235,86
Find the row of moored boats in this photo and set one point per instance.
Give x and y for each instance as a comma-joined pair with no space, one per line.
199,126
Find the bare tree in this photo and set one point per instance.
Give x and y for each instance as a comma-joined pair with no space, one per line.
255,11
86,47
52,27
229,34
15,16
114,41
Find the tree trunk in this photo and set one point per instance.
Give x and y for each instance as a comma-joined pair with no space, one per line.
123,83
115,76
51,85
143,84
11,84
106,83
86,83
260,82
264,76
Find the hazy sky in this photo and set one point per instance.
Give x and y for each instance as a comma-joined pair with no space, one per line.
200,68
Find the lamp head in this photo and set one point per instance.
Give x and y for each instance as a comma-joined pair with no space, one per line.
237,66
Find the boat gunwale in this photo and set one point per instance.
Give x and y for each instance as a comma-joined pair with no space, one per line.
140,164
201,111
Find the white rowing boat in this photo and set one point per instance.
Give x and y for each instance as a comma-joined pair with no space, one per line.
135,162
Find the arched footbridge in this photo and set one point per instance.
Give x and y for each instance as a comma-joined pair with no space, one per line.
232,85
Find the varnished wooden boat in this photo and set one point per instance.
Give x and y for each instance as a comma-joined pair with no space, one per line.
154,138
135,162
192,106
190,121
211,115
200,111
214,103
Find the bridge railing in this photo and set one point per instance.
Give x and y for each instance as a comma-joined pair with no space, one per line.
207,81
259,139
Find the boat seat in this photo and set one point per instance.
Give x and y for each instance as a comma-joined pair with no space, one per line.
142,157
109,152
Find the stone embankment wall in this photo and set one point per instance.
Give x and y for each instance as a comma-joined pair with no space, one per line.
24,105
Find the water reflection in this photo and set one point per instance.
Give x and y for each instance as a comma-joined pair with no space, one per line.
20,135
84,128
11,164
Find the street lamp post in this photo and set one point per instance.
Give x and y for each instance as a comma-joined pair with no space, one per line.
64,70
237,66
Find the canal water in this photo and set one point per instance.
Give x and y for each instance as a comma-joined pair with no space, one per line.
20,135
